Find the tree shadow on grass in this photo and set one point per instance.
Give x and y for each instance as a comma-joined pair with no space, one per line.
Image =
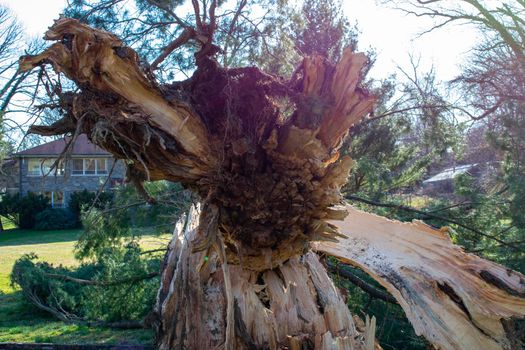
14,309
17,237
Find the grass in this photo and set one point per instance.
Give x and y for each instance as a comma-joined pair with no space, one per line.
415,201
55,247
7,224
19,322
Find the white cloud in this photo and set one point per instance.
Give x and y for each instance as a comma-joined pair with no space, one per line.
35,15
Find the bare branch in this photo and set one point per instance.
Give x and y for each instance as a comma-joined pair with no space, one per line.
84,282
186,35
170,12
196,10
343,271
213,21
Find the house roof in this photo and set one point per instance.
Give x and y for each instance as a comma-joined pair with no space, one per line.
450,173
82,146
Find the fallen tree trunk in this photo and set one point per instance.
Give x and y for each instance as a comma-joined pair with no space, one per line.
293,306
455,299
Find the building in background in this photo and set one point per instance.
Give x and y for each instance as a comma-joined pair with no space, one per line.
87,167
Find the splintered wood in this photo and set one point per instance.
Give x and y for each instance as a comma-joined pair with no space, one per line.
287,307
273,181
99,62
456,300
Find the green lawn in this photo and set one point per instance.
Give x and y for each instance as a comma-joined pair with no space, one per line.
19,322
53,246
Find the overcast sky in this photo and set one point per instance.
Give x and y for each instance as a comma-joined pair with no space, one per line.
390,32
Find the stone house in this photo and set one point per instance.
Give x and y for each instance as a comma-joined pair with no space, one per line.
87,167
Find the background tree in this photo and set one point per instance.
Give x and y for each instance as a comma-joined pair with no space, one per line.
491,86
325,31
17,89
10,35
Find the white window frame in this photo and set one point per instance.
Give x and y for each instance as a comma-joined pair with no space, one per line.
106,164
72,169
57,171
96,159
53,193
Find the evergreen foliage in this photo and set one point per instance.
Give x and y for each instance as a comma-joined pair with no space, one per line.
23,211
55,219
118,281
121,286
84,200
129,216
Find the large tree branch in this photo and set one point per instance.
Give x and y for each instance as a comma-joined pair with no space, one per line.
85,282
456,300
431,215
182,39
70,318
125,104
97,60
60,127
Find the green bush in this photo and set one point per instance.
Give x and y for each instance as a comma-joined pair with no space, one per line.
9,206
55,219
23,210
28,208
85,199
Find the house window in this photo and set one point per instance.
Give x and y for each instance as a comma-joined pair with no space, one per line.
90,166
102,166
56,198
44,167
78,166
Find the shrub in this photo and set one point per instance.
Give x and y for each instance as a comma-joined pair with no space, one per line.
85,199
26,208
9,206
29,207
55,219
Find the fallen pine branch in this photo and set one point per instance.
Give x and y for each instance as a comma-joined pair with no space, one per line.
102,283
343,271
71,318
